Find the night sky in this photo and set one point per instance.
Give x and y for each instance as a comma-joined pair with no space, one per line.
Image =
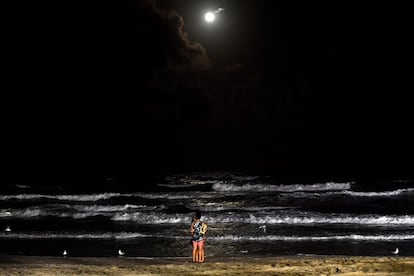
137,87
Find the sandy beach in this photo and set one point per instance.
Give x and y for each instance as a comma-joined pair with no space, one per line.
288,265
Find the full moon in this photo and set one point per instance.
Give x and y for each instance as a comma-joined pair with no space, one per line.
209,17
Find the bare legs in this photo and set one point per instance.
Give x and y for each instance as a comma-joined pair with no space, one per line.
195,252
198,252
201,252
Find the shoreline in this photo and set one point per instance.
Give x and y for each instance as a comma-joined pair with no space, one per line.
279,265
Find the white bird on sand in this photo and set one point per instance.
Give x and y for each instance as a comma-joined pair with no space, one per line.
120,252
65,253
395,252
244,251
263,227
8,229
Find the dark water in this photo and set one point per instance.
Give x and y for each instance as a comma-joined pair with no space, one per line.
247,215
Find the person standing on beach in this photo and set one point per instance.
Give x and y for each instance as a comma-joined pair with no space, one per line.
198,232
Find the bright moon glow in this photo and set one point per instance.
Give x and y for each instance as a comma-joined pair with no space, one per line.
209,17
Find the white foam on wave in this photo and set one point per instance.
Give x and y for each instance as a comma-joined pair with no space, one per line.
154,218
329,186
155,215
317,219
181,195
136,235
189,183
108,208
54,235
237,207
75,211
177,186
233,238
185,181
314,238
103,196
166,195
41,212
378,194
290,219
282,217
84,197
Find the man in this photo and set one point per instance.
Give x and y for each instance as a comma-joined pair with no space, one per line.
198,232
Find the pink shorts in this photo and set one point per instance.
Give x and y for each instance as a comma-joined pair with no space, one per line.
198,243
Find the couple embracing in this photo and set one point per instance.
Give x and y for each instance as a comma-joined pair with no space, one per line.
198,231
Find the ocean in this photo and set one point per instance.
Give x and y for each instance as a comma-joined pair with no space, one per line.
246,216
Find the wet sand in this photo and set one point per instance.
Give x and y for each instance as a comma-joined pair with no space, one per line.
287,265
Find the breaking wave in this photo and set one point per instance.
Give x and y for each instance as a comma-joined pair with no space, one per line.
135,235
100,236
173,196
329,186
190,183
156,215
160,218
85,197
109,208
39,213
74,211
144,218
322,219
378,194
314,238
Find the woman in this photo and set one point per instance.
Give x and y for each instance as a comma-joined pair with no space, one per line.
198,232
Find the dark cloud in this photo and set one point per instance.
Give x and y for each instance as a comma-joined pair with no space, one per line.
192,52
183,53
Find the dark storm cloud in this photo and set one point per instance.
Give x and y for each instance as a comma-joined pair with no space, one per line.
186,52
193,51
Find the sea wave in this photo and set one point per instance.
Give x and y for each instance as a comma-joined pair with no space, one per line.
41,212
311,219
105,196
190,183
237,207
314,238
84,211
75,211
378,194
145,218
135,235
83,197
54,235
110,208
322,219
155,216
329,186
187,195
61,209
